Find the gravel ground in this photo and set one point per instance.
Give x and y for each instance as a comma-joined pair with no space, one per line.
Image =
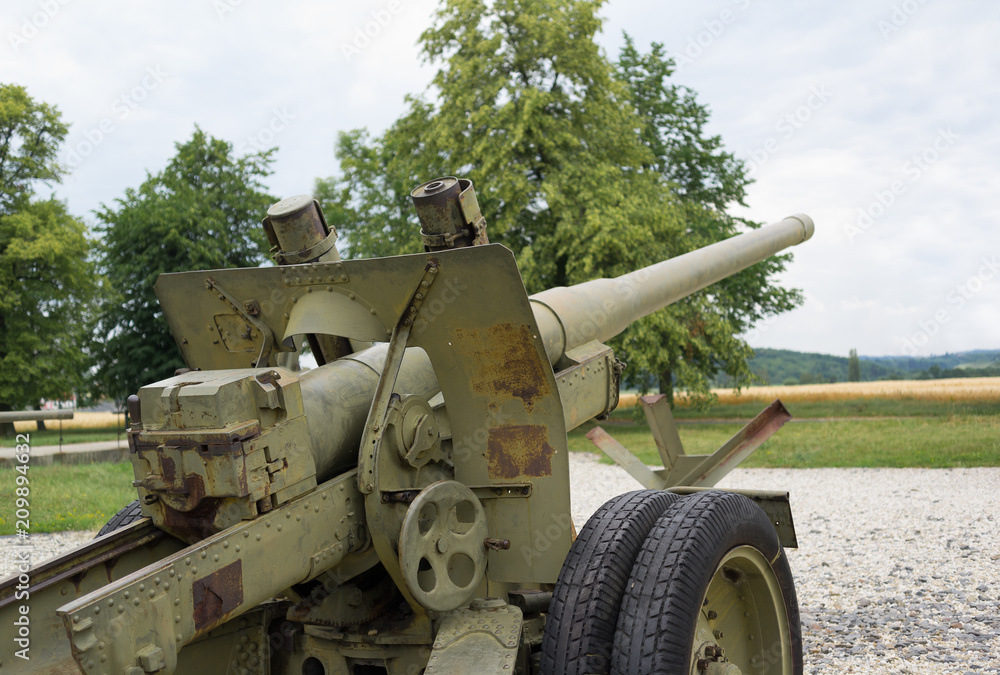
897,570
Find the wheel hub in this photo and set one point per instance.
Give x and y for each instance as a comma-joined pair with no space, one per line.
742,626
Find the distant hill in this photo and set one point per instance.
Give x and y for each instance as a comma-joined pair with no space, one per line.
783,366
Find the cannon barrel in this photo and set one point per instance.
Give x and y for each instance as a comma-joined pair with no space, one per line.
569,317
337,396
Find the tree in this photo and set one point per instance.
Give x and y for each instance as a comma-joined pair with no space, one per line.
202,211
853,367
47,283
584,168
697,336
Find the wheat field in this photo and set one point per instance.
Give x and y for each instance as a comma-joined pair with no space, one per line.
81,420
956,390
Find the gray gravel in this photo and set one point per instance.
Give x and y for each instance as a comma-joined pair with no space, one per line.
897,570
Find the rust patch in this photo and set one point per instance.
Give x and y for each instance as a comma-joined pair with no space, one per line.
109,568
519,450
217,594
76,580
169,470
194,525
504,362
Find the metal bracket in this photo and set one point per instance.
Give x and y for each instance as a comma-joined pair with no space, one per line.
588,382
376,422
311,253
267,336
314,273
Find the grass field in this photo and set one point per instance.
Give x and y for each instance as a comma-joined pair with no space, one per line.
928,423
911,442
68,497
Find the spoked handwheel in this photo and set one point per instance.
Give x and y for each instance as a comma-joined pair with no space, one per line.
710,593
441,546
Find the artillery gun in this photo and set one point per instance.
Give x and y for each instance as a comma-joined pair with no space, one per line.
405,506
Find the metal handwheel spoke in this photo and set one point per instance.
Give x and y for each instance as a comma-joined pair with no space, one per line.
457,560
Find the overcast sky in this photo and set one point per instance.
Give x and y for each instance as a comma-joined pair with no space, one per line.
879,118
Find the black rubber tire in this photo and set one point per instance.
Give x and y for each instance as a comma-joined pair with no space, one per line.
580,628
658,619
126,516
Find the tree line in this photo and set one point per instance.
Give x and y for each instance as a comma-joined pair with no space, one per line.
585,166
787,367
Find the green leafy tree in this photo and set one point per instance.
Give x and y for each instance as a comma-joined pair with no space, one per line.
699,335
853,366
583,167
202,211
47,283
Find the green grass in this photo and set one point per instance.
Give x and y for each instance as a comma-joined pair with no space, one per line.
51,436
958,441
67,497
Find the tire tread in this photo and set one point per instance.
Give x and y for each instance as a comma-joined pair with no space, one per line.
126,516
583,615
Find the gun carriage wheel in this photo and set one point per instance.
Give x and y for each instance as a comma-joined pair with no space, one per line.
710,592
580,627
128,514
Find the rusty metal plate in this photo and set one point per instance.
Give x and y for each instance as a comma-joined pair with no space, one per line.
218,594
521,450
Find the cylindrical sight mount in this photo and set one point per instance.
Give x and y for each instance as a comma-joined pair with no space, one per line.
298,233
449,214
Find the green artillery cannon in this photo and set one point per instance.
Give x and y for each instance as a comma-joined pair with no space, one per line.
404,507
